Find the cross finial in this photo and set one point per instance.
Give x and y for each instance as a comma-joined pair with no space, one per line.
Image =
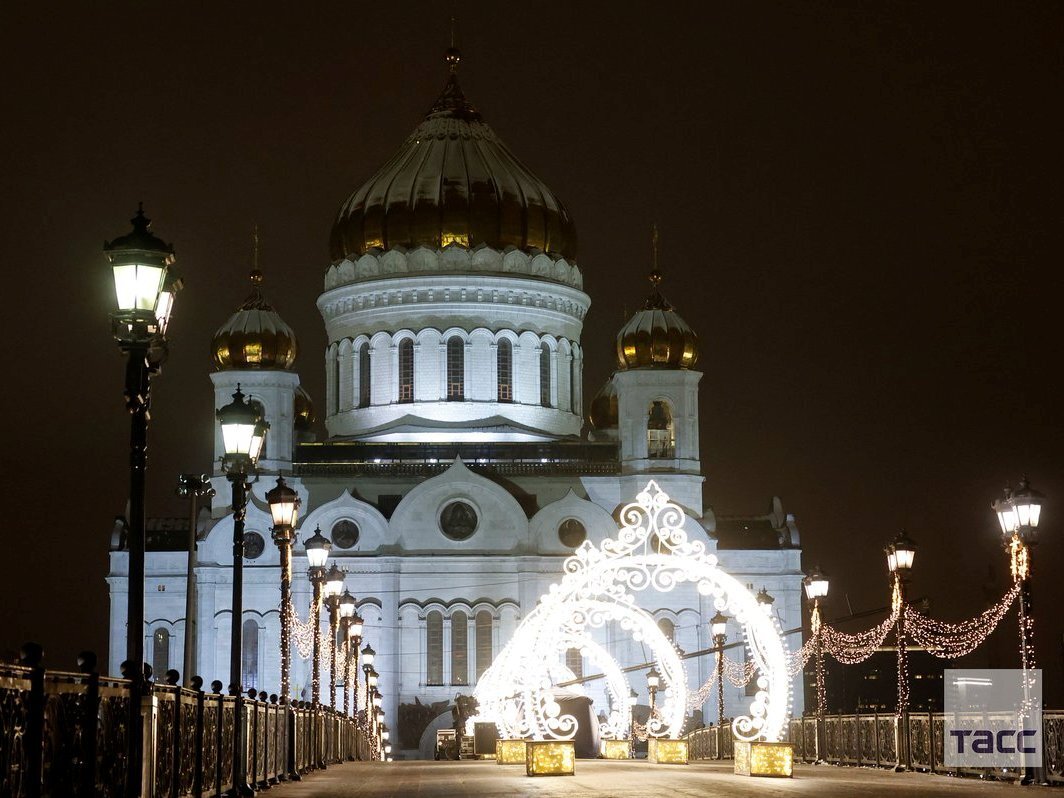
655,272
452,56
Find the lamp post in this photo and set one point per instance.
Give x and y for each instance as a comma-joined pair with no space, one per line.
317,548
1019,513
633,696
145,285
900,556
346,610
719,627
653,682
193,488
334,583
816,587
243,435
284,507
378,716
354,640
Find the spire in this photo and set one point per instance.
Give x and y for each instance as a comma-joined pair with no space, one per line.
452,56
656,300
256,299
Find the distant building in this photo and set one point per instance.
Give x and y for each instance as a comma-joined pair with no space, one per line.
872,685
455,475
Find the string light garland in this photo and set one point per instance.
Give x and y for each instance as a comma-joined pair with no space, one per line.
851,649
954,640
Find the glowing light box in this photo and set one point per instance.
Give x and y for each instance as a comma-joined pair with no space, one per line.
764,759
616,749
663,751
550,758
510,752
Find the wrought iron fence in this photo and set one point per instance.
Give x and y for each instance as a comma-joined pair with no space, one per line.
871,741
67,734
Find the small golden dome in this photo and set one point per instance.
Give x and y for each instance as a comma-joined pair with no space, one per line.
303,410
603,413
255,337
656,336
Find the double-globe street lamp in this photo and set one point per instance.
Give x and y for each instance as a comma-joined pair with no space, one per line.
243,436
317,547
718,625
653,683
816,587
284,508
900,556
331,589
146,284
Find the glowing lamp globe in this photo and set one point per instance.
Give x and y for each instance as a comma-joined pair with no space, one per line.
347,605
385,734
317,548
900,554
284,504
371,678
653,679
145,282
816,584
1022,510
354,628
334,582
719,625
243,430
377,699
387,748
367,656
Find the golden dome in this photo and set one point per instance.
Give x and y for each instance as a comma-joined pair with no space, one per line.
656,336
303,410
453,182
603,413
255,337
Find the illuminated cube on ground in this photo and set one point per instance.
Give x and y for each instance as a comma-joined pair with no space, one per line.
764,759
663,751
550,758
510,752
616,749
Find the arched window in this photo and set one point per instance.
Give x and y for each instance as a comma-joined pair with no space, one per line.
574,397
160,653
434,647
336,381
544,375
363,374
505,358
668,628
249,659
661,435
459,648
406,370
574,661
485,652
455,369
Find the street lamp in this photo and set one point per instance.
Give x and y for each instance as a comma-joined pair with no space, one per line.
317,548
900,556
142,271
816,587
243,434
347,611
192,487
284,507
653,682
719,626
1019,513
334,583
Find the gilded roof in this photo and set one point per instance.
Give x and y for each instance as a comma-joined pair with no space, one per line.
453,181
255,336
656,336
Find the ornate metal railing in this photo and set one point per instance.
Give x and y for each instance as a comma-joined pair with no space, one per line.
870,740
68,734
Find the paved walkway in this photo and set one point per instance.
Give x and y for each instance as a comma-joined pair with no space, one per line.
603,779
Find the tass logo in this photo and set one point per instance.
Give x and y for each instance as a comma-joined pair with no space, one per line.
993,718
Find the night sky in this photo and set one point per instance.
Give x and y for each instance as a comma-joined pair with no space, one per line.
860,214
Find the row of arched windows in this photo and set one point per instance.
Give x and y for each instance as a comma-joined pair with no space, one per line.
459,626
455,382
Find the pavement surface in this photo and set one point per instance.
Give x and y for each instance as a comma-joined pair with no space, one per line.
629,779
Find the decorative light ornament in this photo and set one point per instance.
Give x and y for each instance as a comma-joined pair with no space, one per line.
651,551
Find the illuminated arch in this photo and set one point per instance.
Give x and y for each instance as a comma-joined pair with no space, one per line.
650,551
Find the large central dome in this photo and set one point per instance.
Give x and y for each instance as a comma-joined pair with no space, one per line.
453,182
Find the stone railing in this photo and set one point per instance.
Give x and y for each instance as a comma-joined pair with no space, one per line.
870,740
68,734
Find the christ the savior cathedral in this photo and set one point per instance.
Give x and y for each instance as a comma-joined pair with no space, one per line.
455,476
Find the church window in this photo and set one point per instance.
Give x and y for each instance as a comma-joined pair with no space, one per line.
160,653
455,369
544,375
254,545
574,399
434,647
458,520
571,533
363,375
574,661
406,370
249,660
505,357
668,628
484,642
344,534
336,382
661,433
459,648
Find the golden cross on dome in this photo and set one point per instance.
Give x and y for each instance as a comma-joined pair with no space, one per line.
256,274
655,272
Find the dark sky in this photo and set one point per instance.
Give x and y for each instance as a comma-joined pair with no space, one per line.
859,207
